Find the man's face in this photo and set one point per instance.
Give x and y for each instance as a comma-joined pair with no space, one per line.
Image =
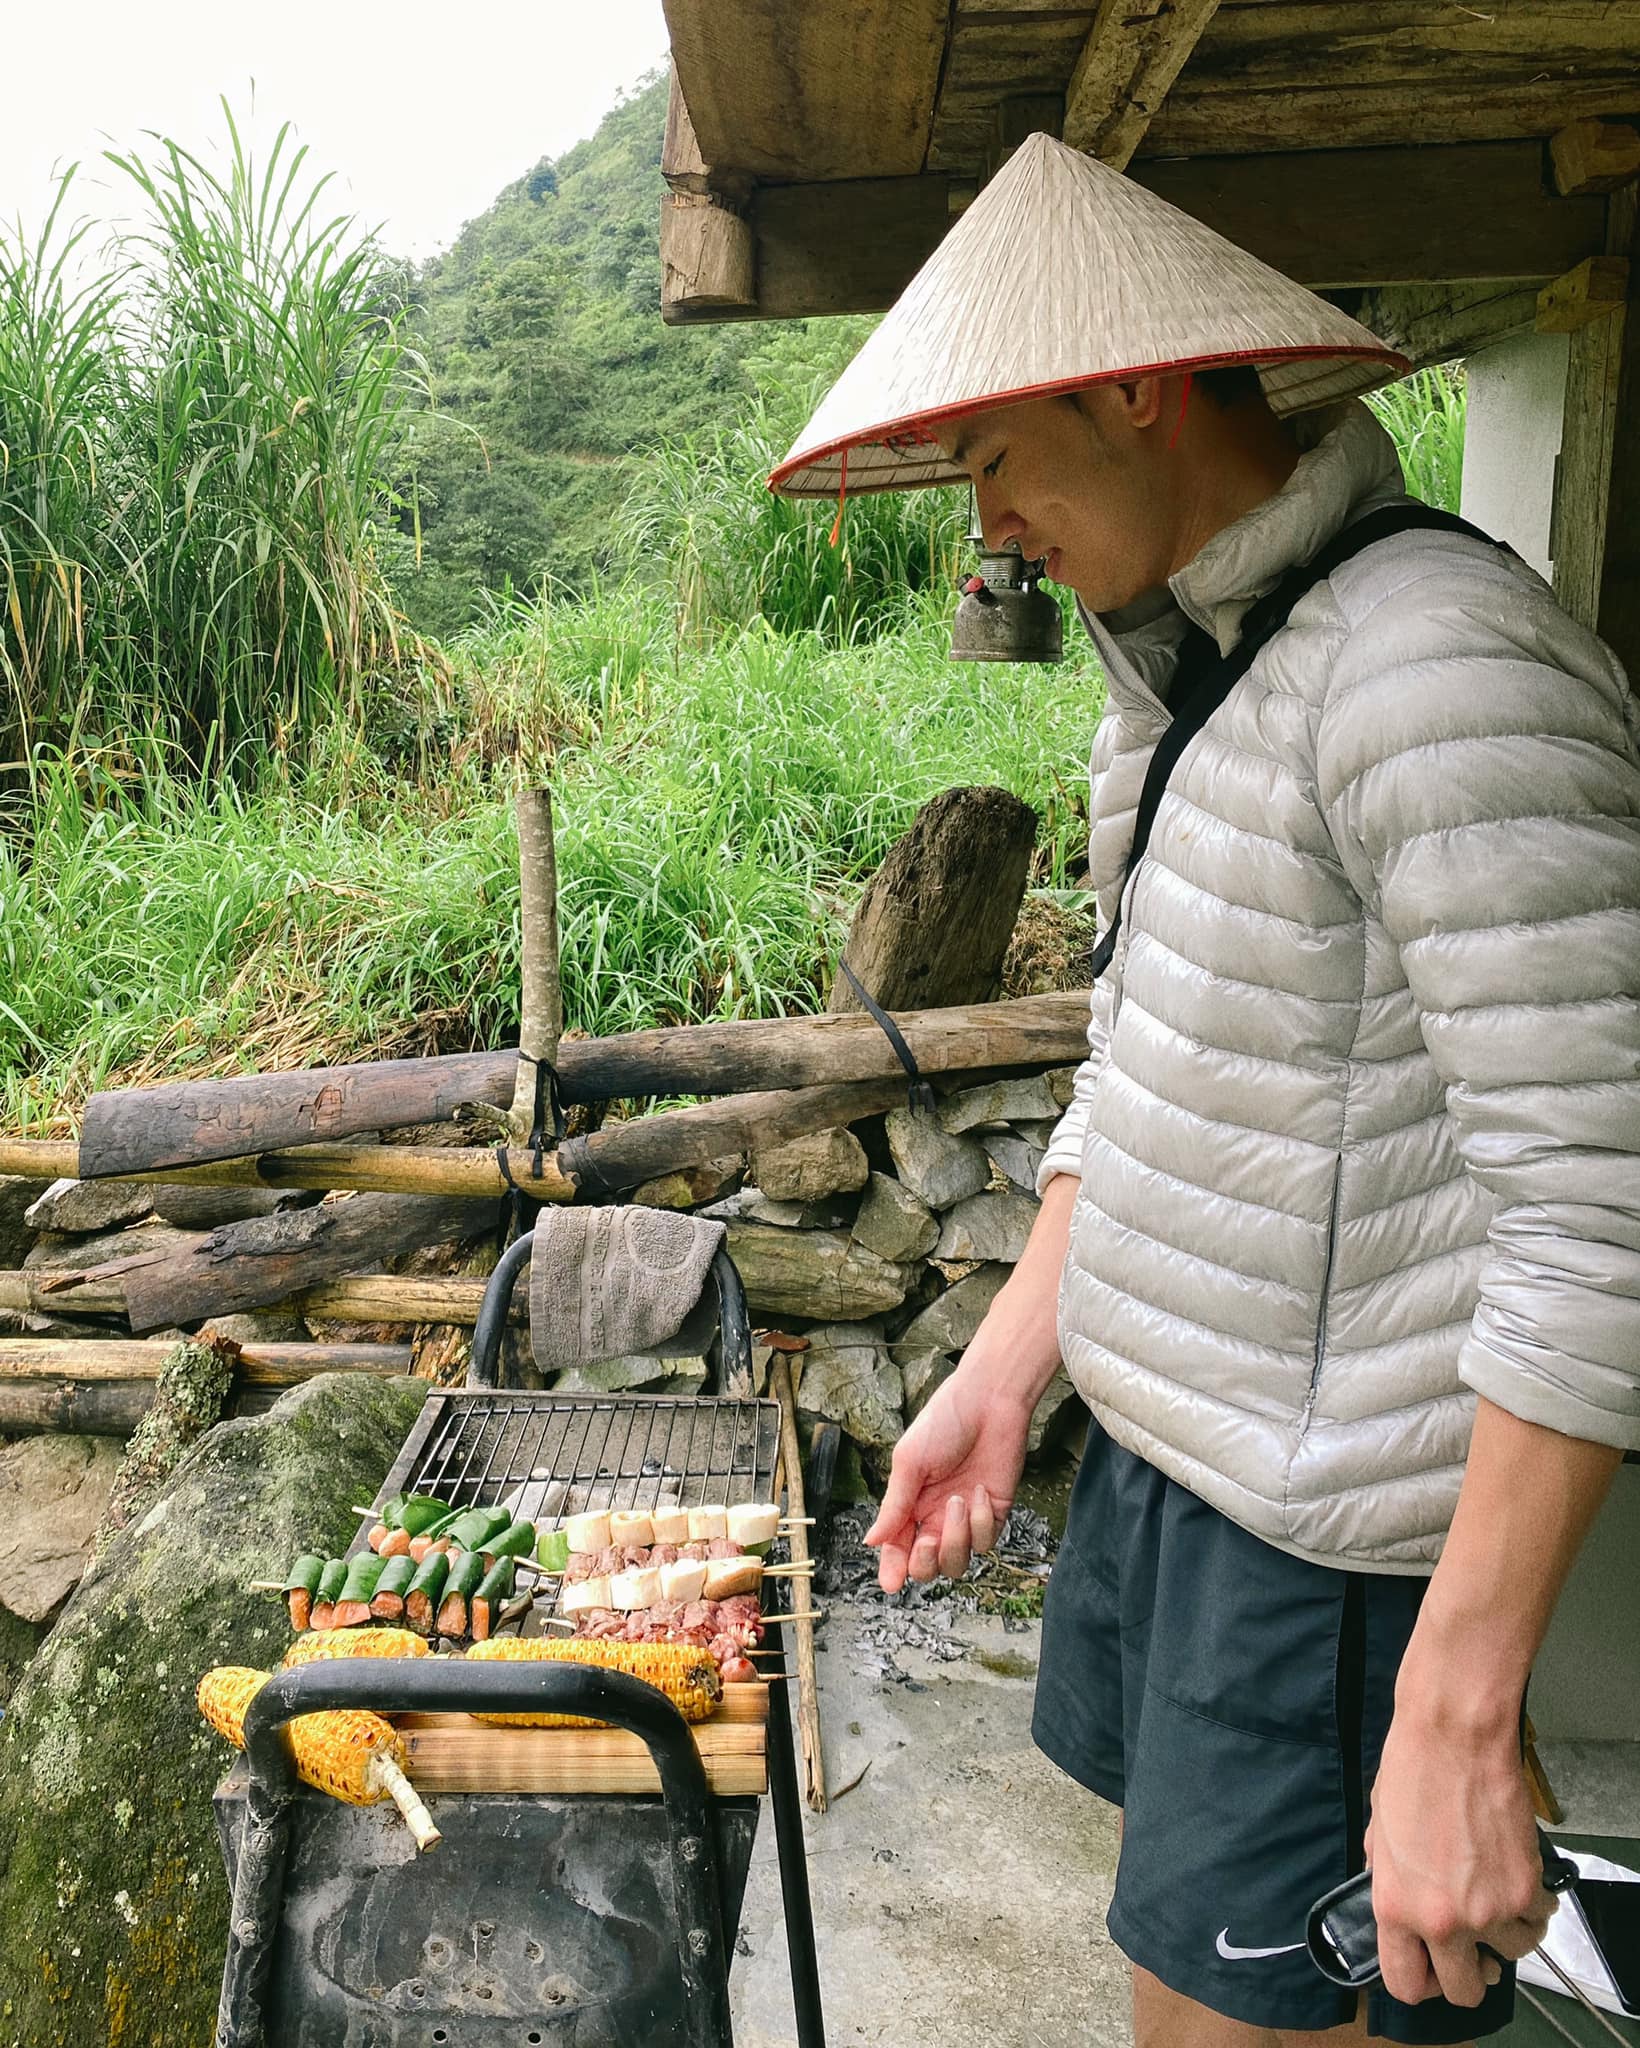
1078,481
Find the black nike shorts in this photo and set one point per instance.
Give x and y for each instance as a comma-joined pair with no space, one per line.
1234,1702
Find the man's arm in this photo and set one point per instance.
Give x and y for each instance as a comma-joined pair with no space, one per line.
1454,1855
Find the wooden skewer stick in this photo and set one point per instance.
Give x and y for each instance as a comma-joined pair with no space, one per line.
788,1571
267,1586
384,1775
808,1614
797,1521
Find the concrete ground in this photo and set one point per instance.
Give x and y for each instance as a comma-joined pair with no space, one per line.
960,1885
960,1882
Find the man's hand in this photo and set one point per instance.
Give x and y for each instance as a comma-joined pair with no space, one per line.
955,1471
1455,1860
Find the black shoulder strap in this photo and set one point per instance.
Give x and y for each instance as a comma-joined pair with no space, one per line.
1204,678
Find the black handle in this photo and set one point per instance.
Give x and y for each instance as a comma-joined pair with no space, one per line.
1342,1934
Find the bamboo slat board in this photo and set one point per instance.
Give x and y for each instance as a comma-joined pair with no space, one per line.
454,1753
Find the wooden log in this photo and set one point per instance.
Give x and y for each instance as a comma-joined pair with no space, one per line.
192,1384
73,1407
365,1298
937,916
541,1006
808,1677
93,1360
247,1265
1595,290
1594,156
1438,323
708,255
1134,51
183,1123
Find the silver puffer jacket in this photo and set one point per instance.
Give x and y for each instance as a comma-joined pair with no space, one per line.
1359,1133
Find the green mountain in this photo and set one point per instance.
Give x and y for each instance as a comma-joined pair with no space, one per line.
551,371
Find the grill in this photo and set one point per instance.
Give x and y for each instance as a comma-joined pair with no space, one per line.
551,1455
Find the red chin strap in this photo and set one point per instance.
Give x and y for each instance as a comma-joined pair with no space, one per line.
842,492
1184,407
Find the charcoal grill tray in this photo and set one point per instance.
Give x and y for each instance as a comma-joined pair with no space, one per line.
474,1446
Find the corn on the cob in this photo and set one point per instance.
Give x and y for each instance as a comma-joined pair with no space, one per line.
688,1676
354,1756
364,1642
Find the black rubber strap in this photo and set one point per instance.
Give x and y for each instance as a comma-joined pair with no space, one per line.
1203,678
517,1208
920,1095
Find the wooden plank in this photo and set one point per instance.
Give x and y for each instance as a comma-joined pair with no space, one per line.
1438,323
1596,289
1134,52
841,91
454,1753
682,165
1436,110
92,1359
1594,156
1329,218
1284,44
139,1130
1595,539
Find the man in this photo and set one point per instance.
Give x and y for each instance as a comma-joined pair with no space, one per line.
1340,1237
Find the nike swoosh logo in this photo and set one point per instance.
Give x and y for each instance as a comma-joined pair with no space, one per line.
1232,1954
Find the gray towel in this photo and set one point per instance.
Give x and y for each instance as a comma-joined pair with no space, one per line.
605,1283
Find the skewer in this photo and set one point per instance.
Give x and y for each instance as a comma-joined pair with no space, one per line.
797,1521
266,1586
808,1614
788,1571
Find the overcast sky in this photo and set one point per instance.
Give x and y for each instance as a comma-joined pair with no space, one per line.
423,111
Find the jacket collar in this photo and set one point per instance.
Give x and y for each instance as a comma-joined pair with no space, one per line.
1352,468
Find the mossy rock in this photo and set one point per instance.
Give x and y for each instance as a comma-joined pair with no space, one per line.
19,1639
112,1891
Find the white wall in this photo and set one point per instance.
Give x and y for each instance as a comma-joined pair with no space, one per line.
1517,392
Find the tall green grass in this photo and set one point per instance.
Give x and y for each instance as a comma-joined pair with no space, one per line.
1426,413
199,447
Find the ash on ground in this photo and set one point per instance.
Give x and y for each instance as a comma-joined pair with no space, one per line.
1008,1580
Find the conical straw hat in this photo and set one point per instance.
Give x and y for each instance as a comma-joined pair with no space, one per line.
1063,273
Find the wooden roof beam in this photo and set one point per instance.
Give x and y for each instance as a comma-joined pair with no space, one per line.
1438,323
1134,51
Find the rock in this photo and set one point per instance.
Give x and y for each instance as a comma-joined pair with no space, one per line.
949,1323
19,1640
813,1273
1063,1083
989,1226
849,1378
999,1102
616,1375
938,1168
1013,1157
679,1376
1038,1132
203,1208
893,1223
809,1168
259,1326
924,1375
692,1185
753,1206
88,1205
17,1197
112,1890
1056,1399
53,1492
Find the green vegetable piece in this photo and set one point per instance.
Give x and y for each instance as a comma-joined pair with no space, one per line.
305,1574
390,1510
473,1529
496,1586
430,1575
516,1540
331,1580
397,1575
466,1575
363,1575
552,1550
758,1549
421,1513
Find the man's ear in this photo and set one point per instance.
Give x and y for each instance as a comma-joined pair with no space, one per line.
1141,400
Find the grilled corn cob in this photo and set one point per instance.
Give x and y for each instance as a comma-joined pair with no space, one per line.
364,1642
689,1677
355,1757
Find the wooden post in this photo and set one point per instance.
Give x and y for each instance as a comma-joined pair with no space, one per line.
936,918
1596,538
808,1675
541,1005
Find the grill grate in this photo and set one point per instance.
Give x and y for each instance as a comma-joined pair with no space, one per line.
551,1455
